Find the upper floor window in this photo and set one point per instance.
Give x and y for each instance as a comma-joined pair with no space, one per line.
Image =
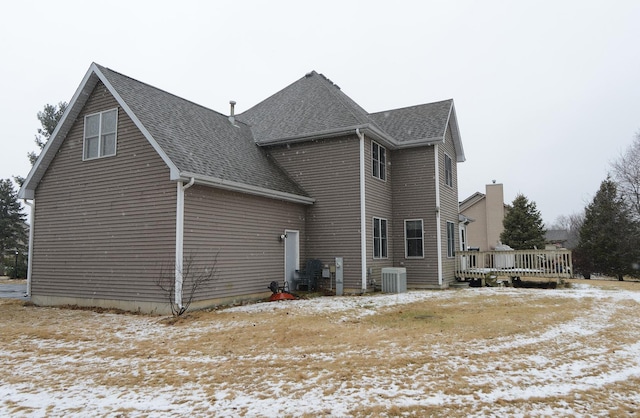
451,239
413,233
448,171
379,154
100,134
379,238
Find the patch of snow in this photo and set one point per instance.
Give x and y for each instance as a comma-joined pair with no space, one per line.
491,385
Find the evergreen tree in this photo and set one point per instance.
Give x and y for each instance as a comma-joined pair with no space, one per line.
609,236
523,226
49,118
13,235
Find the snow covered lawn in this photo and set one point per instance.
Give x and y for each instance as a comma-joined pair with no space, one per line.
466,352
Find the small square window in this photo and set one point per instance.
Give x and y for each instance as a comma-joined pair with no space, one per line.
100,133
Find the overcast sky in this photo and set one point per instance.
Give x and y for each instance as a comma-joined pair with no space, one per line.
547,92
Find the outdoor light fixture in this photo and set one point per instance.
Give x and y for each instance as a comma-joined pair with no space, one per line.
282,237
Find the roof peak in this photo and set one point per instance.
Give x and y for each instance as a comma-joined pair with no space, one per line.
103,68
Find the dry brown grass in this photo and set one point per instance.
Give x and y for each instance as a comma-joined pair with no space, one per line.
444,356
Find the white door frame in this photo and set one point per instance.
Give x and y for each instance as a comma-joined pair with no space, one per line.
291,255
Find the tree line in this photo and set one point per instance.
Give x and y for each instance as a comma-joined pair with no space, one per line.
605,236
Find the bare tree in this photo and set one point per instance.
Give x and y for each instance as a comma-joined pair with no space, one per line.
572,224
194,276
626,173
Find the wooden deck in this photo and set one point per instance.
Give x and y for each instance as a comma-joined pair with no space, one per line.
513,264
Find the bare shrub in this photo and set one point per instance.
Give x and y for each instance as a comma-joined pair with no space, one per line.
194,276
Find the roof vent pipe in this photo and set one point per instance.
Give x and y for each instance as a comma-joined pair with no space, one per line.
232,117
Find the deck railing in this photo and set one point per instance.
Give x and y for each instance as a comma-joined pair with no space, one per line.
514,263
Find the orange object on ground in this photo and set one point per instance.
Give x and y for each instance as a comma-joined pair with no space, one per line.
281,296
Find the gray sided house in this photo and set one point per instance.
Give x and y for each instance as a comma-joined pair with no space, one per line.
136,183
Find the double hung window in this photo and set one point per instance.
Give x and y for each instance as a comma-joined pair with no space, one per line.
100,134
379,238
451,249
413,234
379,161
448,171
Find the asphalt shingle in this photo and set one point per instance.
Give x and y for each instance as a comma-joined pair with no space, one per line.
311,105
200,140
421,122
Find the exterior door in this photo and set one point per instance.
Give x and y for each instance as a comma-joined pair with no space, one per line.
291,256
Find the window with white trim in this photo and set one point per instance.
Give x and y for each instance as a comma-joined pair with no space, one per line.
100,134
413,238
448,170
451,236
379,238
379,160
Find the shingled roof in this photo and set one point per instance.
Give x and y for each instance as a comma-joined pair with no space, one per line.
199,143
311,107
422,122
314,107
195,142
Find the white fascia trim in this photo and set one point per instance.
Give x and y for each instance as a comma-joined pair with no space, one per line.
174,172
332,133
420,142
246,188
457,140
74,107
27,191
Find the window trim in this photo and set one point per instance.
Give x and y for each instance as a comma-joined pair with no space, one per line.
406,239
379,166
100,136
383,249
451,239
448,173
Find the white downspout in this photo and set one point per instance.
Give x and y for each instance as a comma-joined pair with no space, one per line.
32,217
436,151
180,240
363,214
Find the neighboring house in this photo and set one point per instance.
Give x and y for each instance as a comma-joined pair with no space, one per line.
487,211
556,238
134,179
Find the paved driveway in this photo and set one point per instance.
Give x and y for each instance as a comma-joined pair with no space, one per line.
13,290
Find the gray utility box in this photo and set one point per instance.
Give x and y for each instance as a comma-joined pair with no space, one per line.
394,280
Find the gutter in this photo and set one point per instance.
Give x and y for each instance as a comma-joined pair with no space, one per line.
179,279
363,214
246,188
32,216
373,131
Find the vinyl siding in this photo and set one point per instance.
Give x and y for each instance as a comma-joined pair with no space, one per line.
448,208
414,197
103,228
379,197
243,231
329,171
